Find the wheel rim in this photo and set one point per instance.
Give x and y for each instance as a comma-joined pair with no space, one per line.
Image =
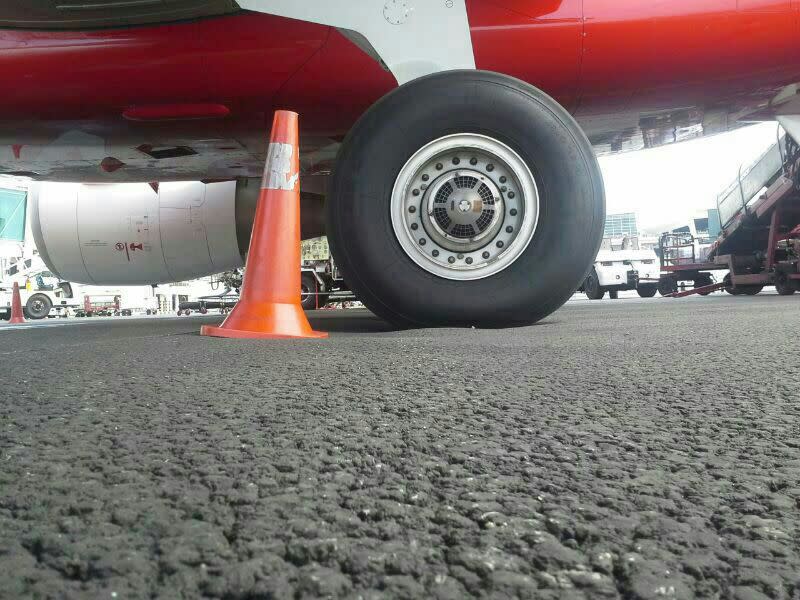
465,207
37,307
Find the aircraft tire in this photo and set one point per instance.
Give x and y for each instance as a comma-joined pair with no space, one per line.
534,233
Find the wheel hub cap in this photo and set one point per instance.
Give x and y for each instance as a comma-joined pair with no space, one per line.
465,207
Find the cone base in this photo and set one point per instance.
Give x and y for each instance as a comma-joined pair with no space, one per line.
16,321
222,332
265,321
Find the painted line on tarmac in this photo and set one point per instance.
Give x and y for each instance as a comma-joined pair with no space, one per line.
37,326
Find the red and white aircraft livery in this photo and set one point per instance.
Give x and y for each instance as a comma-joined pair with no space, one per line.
448,146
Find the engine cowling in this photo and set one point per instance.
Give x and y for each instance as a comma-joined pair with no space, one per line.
133,234
141,233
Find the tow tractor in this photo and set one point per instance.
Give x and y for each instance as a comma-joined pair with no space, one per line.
42,296
622,270
760,241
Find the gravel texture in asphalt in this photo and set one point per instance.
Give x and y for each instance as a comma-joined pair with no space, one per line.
629,449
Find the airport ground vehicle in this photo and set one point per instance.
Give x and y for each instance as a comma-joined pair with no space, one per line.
453,140
760,241
39,301
684,260
622,270
321,282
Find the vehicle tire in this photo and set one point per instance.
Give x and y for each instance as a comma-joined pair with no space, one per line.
647,291
784,285
592,287
729,286
702,281
667,286
613,294
308,291
751,290
509,253
38,307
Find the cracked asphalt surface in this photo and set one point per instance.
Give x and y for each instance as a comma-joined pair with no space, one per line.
629,449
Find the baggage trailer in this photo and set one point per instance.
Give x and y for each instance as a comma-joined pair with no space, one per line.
682,261
102,306
760,241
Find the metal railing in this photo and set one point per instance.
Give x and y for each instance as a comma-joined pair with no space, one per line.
735,198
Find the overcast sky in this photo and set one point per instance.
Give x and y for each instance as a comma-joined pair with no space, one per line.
668,185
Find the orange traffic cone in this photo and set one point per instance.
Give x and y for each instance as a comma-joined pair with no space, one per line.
269,303
16,307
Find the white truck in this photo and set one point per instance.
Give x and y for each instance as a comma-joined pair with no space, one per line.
621,270
40,299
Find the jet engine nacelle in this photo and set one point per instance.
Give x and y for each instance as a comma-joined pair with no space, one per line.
134,234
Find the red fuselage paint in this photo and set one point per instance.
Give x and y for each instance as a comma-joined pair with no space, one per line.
599,58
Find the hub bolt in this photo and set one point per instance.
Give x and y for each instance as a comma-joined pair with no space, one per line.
426,177
513,212
415,192
414,226
412,209
473,161
469,260
511,195
439,166
422,241
490,167
486,255
451,259
500,244
435,253
503,179
509,229
456,161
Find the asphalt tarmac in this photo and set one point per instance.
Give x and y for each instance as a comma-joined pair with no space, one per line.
620,449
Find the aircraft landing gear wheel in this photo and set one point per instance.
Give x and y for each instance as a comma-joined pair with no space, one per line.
465,198
647,291
784,285
667,286
592,288
613,294
38,306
